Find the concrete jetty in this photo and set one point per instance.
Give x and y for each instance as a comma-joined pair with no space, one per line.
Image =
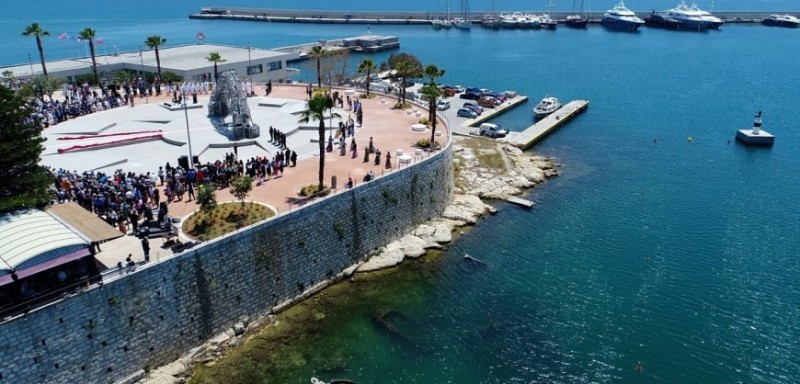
410,17
543,127
489,113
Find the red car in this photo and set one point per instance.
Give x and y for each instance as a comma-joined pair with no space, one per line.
488,102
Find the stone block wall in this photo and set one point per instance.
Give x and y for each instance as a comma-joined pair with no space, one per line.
152,316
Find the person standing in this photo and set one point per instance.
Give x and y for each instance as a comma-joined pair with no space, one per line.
190,190
146,248
294,159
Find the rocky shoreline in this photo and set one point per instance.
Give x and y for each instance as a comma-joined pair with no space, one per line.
484,169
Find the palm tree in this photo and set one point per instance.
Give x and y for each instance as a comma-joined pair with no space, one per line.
35,30
153,42
431,93
88,34
215,58
318,53
432,72
316,111
366,66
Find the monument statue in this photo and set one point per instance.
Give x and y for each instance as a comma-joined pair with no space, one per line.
229,98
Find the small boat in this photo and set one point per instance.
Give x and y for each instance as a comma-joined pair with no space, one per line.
509,20
787,21
662,20
547,22
576,20
437,23
547,106
621,18
530,20
314,380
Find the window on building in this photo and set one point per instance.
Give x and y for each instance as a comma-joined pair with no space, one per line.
275,65
255,69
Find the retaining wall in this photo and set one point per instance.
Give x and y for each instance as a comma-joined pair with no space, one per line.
152,316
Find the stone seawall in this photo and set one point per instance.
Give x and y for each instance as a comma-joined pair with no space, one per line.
152,316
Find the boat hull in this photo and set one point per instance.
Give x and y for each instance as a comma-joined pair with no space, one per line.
578,23
778,23
620,25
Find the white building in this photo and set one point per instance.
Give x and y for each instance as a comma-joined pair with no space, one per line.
188,61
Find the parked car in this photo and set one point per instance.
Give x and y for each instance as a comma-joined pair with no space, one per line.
497,96
459,88
472,90
466,112
473,106
477,108
487,101
492,130
443,105
470,96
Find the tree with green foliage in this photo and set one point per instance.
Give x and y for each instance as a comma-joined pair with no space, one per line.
404,66
432,72
37,31
366,67
42,86
315,110
215,58
318,53
240,187
88,35
207,198
23,182
153,42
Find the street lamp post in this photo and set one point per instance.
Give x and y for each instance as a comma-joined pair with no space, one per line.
31,64
188,134
141,74
249,70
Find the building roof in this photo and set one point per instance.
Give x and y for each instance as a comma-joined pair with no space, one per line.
88,224
27,235
174,59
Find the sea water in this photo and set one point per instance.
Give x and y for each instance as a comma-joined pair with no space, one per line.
662,242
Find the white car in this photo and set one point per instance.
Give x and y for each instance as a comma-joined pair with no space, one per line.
459,88
443,105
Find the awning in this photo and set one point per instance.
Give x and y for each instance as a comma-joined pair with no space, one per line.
5,279
85,222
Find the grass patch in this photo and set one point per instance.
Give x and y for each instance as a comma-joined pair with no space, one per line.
224,219
487,152
312,189
426,143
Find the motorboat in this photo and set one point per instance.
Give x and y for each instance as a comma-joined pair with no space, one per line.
509,20
713,21
437,23
547,106
621,18
690,19
547,22
462,23
787,21
662,20
531,20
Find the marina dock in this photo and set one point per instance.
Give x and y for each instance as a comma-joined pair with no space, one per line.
489,113
543,127
409,18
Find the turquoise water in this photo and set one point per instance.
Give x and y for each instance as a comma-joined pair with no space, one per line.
649,247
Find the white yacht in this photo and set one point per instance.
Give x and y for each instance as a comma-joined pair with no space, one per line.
688,18
713,21
621,18
547,106
788,21
531,20
508,20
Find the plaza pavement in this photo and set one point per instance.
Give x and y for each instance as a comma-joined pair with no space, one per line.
390,129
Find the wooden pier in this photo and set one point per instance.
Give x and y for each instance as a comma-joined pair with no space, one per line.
543,127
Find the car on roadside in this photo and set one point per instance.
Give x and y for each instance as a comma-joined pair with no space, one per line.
488,102
443,105
472,90
492,130
459,89
497,96
466,112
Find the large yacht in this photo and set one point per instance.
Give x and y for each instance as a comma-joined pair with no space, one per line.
788,21
621,18
714,22
508,20
690,19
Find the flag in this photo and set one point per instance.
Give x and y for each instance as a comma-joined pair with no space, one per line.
99,40
63,36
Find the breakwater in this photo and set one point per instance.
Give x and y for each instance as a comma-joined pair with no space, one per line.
411,18
152,316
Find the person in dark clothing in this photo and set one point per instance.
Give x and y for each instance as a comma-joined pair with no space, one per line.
146,248
294,159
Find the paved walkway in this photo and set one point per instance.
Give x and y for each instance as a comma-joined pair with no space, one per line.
390,129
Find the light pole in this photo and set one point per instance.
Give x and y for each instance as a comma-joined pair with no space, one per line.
249,69
141,74
31,64
188,134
